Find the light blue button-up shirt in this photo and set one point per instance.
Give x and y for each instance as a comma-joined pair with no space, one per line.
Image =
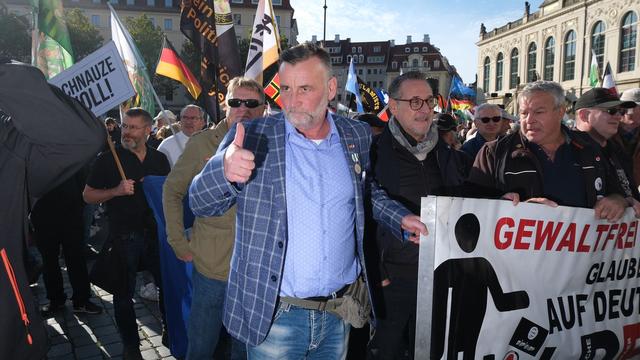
321,252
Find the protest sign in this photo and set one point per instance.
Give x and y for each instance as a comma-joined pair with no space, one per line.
498,281
100,81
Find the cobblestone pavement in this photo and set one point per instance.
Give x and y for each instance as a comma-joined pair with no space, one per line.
92,337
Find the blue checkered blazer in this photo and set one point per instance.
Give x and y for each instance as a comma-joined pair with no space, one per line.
261,223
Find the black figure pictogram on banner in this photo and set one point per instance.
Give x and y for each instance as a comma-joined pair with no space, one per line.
469,280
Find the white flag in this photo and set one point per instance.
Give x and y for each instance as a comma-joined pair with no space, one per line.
265,45
134,64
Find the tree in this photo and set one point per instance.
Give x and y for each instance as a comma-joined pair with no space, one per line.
148,39
85,38
15,41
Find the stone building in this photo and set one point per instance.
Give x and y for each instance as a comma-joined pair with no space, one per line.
556,43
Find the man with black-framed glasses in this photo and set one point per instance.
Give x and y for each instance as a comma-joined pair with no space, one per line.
488,120
409,160
598,113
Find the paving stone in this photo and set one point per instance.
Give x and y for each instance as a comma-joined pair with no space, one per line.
59,339
108,339
163,351
84,340
60,350
145,344
156,341
87,351
113,350
150,331
100,320
105,330
150,354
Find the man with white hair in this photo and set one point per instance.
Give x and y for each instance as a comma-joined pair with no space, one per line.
191,121
546,162
488,121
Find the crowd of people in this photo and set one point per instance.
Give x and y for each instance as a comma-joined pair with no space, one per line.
306,223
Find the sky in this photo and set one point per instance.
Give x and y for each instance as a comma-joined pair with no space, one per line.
453,25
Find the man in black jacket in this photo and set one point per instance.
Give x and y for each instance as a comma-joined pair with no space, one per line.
598,113
409,161
45,137
546,162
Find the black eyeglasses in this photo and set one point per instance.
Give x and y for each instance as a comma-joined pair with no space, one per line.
486,119
250,103
615,111
416,103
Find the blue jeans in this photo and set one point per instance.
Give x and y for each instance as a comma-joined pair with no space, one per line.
298,333
205,320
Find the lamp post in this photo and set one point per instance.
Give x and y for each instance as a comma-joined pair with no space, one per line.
324,28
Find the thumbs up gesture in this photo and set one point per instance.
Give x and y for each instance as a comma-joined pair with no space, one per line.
238,162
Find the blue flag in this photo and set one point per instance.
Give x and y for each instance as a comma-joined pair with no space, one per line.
458,89
352,86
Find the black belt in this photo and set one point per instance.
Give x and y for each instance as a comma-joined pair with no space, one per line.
333,295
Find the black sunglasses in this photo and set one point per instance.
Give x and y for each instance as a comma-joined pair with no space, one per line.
250,103
615,111
495,119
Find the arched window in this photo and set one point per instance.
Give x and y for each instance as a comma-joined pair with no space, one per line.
531,62
628,33
549,58
513,70
569,62
486,73
597,42
416,63
499,71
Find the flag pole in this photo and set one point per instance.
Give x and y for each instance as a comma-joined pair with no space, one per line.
324,26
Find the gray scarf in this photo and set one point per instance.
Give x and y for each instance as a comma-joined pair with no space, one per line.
421,149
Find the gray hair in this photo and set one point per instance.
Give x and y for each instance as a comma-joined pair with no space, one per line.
245,83
394,87
192,106
305,51
549,87
486,106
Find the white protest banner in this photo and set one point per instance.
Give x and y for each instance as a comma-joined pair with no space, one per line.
498,281
100,81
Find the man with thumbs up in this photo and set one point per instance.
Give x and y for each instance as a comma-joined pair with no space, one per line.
298,179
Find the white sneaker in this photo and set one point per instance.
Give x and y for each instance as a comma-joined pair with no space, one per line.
149,292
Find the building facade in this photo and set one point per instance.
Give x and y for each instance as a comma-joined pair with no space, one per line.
556,43
377,63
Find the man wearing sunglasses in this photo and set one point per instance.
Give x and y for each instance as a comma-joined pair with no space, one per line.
298,179
210,241
410,161
628,136
192,120
488,120
598,113
546,162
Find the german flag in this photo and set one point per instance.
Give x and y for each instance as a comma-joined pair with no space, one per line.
461,104
272,90
171,66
